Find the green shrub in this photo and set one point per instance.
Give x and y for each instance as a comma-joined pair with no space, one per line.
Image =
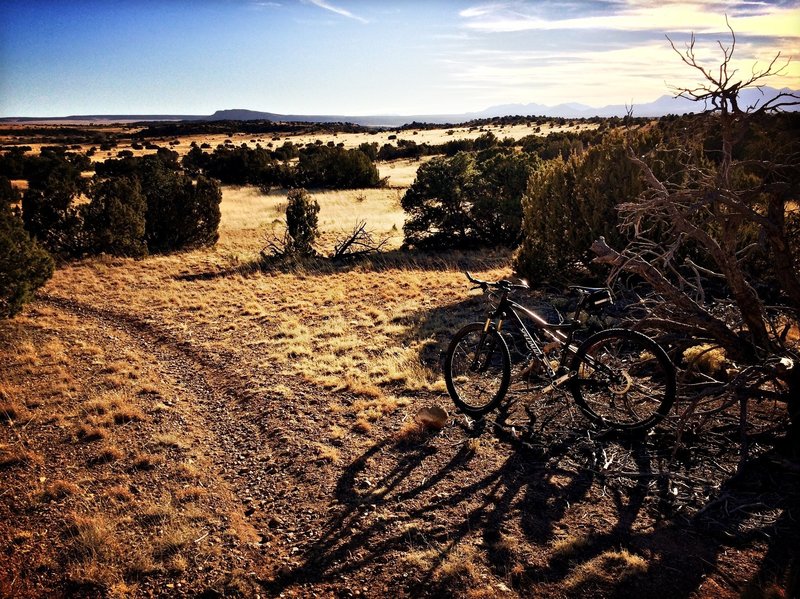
468,200
179,213
337,168
301,222
114,220
570,203
50,216
24,266
437,204
48,209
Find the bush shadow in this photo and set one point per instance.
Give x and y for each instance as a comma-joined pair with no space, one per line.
404,259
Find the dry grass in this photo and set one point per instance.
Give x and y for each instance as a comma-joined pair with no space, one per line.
569,546
411,432
190,494
106,454
327,453
127,413
91,537
182,145
59,489
89,433
87,447
610,567
120,494
455,566
11,411
707,358
11,456
146,461
171,440
173,539
122,400
367,332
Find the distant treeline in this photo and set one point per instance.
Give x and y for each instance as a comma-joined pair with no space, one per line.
513,120
182,128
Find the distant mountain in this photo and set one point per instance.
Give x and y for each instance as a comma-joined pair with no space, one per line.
660,107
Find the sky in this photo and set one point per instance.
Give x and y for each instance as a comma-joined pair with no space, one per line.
370,57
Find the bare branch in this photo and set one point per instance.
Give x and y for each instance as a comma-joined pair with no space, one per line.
358,243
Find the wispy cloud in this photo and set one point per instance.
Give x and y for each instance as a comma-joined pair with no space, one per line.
336,9
751,18
614,50
598,77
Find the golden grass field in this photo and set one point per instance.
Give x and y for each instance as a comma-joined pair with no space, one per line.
183,144
188,424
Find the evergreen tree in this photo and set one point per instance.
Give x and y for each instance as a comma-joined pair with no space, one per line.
301,222
115,218
24,265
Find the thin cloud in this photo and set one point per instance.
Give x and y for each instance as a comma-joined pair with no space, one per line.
749,18
338,10
596,75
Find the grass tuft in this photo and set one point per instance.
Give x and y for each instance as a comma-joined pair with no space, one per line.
569,547
173,539
88,433
610,567
59,489
146,461
17,456
106,455
91,537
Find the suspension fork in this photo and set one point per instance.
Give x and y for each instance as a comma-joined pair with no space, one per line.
483,349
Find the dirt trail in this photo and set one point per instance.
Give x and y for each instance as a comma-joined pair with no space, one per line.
441,515
264,464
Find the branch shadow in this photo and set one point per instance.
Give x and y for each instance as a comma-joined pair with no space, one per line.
478,259
407,482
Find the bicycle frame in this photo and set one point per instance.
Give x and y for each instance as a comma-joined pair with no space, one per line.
560,333
619,378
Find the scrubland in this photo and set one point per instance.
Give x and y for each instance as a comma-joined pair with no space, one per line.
190,423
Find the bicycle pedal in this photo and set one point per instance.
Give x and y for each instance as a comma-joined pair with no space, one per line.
557,383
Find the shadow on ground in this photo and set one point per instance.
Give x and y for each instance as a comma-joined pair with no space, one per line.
432,505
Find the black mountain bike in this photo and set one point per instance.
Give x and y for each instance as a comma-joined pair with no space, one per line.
620,379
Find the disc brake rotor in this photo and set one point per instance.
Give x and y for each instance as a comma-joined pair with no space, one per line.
621,386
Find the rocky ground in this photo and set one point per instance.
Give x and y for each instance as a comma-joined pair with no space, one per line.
200,479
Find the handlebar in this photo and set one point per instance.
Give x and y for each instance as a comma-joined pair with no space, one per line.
590,296
502,285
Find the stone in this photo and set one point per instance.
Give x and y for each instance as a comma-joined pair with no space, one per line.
432,417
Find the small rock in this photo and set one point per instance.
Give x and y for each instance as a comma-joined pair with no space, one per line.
432,417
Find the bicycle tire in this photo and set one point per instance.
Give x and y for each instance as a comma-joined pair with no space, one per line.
477,386
623,380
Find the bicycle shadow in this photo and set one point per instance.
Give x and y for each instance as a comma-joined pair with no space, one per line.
388,503
396,502
687,553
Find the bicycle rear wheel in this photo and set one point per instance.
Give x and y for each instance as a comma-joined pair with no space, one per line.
477,369
624,380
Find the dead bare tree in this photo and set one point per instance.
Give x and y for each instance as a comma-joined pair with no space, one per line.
724,207
357,243
276,245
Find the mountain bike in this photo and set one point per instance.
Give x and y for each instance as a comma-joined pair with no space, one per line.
619,378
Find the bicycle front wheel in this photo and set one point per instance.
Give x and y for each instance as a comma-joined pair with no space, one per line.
623,380
477,369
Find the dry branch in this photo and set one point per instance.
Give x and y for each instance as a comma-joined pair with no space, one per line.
357,243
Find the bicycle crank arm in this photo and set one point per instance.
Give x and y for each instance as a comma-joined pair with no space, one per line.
558,382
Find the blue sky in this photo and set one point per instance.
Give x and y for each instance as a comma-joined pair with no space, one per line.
359,57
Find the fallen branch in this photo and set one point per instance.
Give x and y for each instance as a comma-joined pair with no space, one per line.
357,243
